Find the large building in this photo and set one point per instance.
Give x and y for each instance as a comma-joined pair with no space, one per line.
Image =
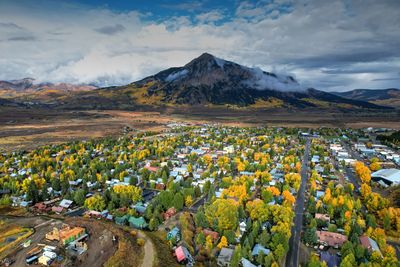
387,176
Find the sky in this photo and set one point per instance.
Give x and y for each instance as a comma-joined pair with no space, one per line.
329,45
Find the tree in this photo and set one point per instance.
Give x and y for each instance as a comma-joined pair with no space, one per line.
222,214
178,201
315,262
200,239
310,235
95,202
55,184
32,193
223,243
45,193
79,197
209,243
188,201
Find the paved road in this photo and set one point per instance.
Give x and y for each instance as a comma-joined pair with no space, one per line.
349,172
292,258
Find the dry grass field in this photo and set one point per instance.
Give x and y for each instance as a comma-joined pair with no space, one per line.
22,128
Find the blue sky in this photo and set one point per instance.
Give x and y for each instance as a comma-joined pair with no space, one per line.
329,45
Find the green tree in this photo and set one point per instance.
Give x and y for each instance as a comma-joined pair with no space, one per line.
79,197
178,201
33,193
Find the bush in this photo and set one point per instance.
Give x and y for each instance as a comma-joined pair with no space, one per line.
140,242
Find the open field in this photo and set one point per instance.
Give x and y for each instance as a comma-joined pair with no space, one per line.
22,128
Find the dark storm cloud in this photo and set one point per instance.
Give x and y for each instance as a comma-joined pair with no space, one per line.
111,29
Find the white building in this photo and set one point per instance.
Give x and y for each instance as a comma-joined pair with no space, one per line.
388,176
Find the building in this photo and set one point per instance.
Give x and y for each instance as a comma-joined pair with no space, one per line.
331,239
174,234
224,257
322,217
258,249
183,255
214,235
330,259
66,234
138,223
369,244
169,213
387,176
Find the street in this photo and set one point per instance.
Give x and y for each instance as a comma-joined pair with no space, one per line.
292,258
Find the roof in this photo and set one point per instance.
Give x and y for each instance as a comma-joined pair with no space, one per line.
181,253
391,175
68,232
331,260
331,238
369,244
258,248
65,203
225,255
247,263
137,221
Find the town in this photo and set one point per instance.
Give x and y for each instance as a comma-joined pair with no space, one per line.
205,195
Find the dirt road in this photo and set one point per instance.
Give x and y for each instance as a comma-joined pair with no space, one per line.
149,251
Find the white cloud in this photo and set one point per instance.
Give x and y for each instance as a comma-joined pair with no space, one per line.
326,44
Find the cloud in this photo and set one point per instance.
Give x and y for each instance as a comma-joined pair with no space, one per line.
329,45
189,6
10,25
209,17
111,29
22,38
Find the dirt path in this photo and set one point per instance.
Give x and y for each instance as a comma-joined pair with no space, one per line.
149,251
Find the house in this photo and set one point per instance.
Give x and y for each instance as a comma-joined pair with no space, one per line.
139,207
331,239
214,235
388,176
369,244
258,249
329,259
169,213
57,209
224,257
322,217
174,234
183,255
247,263
122,220
138,223
44,260
66,234
65,203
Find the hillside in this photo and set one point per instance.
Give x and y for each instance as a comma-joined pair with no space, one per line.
385,97
208,81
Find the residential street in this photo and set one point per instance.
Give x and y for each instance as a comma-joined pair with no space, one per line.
292,258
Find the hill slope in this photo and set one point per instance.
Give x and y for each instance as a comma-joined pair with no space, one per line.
385,97
209,81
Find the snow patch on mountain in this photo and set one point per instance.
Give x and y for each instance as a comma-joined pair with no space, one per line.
176,75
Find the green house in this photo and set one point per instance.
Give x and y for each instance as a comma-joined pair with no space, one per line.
138,223
122,220
174,234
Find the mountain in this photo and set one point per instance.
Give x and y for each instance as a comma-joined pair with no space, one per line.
385,97
206,81
27,90
210,81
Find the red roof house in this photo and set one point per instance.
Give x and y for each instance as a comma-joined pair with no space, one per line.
169,213
214,235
